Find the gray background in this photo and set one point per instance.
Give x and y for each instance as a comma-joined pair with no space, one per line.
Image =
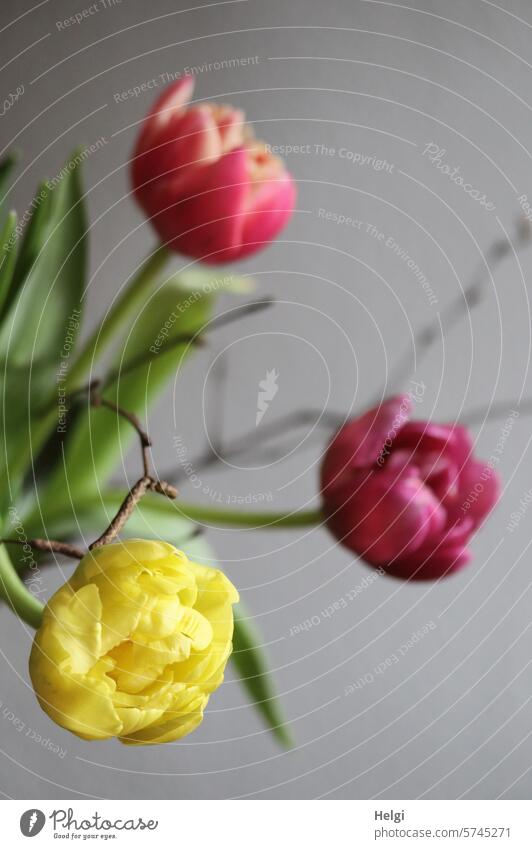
451,719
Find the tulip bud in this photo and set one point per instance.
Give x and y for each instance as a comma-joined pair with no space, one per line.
406,495
133,644
211,190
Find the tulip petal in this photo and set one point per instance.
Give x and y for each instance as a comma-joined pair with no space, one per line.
479,489
388,517
271,208
361,443
208,223
77,625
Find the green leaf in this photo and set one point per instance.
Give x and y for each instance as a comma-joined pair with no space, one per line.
198,280
249,658
23,390
40,316
100,438
6,166
49,276
8,255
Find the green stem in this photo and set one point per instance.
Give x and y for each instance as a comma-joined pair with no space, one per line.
127,304
110,499
239,519
16,594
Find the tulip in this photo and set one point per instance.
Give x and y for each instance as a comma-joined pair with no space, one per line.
405,495
133,644
211,190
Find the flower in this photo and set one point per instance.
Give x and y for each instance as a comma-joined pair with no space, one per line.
133,644
406,495
211,190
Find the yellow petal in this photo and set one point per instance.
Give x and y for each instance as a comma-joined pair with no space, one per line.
75,618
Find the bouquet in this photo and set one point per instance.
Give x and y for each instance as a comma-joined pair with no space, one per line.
134,643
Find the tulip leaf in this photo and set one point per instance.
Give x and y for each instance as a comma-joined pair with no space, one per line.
6,166
249,659
24,390
99,438
8,255
48,280
42,288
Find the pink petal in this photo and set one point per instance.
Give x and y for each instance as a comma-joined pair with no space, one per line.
172,101
385,516
208,224
273,204
361,442
479,489
430,566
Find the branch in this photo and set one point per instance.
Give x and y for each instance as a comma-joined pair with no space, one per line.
242,444
469,298
48,545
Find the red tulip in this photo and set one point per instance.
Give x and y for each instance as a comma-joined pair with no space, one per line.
211,190
406,495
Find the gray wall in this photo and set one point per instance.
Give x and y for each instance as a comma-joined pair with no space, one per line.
451,719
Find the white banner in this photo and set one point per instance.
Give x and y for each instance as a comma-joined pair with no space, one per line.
267,824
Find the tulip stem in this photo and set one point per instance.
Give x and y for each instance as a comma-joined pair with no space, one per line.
239,519
128,303
16,594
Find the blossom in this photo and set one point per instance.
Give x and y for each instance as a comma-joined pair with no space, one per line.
133,644
211,189
406,495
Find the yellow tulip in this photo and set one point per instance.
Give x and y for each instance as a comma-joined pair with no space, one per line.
133,644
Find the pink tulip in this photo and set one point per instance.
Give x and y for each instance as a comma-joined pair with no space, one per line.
211,190
406,495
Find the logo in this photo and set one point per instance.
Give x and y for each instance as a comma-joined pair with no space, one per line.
268,389
32,822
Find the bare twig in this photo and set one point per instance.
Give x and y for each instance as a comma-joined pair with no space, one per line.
447,318
48,545
145,484
145,442
196,339
268,432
